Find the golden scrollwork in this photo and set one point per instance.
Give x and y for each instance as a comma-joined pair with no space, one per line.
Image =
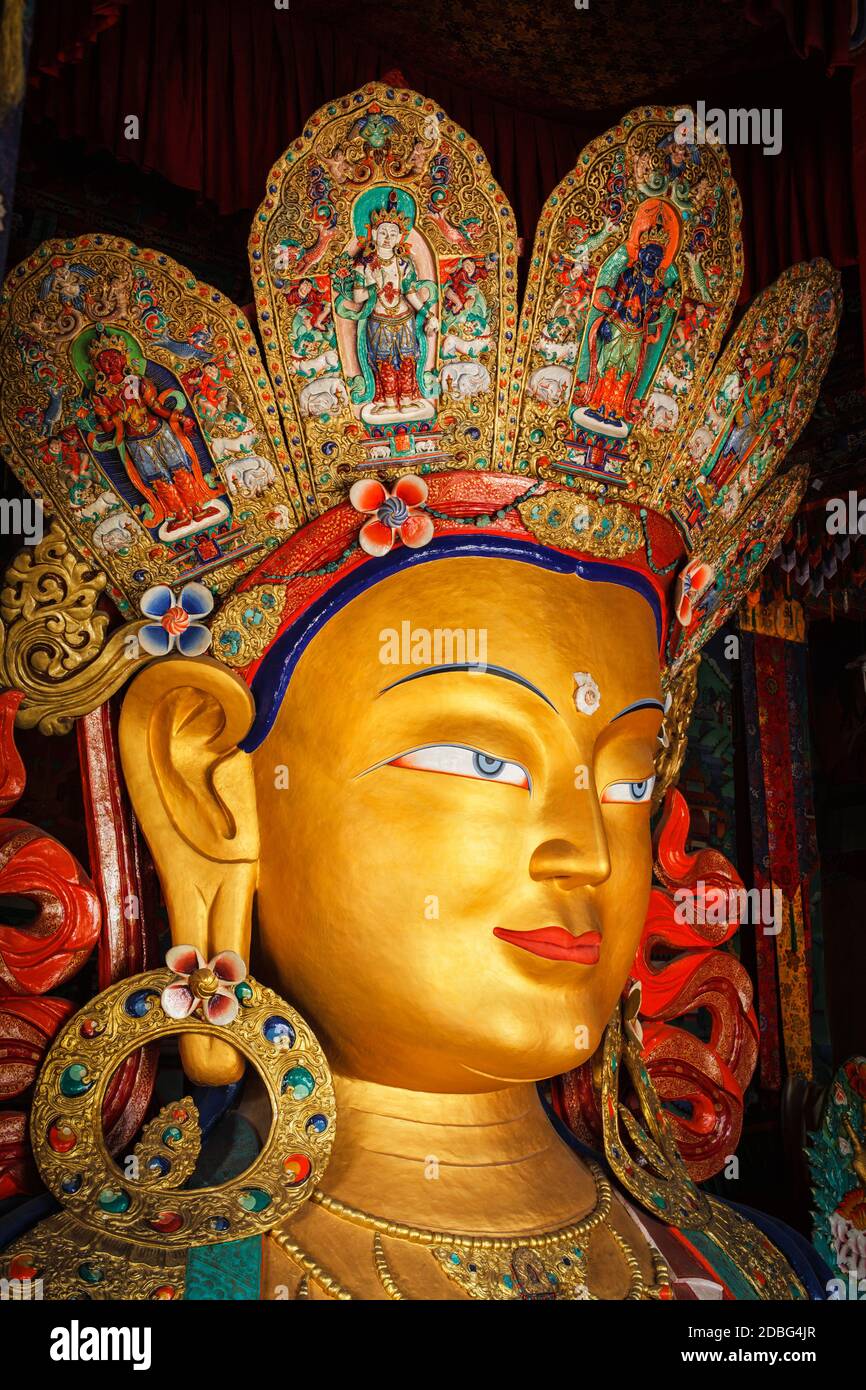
170,1145
246,624
66,1259
54,645
578,522
683,690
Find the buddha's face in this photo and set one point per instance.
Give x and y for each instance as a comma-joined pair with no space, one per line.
455,864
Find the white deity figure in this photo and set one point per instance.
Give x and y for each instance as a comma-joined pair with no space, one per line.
397,327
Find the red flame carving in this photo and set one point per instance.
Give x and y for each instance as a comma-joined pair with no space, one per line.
682,971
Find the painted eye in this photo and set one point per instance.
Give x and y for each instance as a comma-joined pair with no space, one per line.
631,793
464,762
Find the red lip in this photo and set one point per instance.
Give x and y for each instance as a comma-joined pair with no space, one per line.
555,943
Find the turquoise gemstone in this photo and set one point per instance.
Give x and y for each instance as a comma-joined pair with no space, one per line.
508,1281
299,1081
72,1080
114,1199
659,1200
244,992
172,1136
91,1274
254,1199
455,1259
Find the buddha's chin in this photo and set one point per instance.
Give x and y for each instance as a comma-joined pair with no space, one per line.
510,1067
473,1064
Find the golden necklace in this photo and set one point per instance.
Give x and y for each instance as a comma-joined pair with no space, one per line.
548,1266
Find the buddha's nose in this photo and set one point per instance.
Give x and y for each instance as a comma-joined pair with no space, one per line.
572,865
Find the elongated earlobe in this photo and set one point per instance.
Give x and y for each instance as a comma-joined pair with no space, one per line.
193,792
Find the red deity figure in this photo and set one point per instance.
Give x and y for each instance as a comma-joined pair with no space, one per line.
151,436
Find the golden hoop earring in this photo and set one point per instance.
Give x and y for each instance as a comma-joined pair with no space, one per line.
70,1149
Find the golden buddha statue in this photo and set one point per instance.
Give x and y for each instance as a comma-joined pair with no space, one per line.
412,786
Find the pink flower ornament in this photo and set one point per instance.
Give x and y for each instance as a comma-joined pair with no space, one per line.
392,514
210,987
693,583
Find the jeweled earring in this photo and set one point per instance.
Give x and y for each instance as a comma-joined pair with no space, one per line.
642,1153
125,1231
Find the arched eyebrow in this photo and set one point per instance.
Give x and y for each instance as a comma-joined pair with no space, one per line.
501,671
638,704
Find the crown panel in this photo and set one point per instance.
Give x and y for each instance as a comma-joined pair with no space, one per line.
384,269
134,402
754,405
710,590
635,270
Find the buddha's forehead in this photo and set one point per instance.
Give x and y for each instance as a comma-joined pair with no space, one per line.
542,626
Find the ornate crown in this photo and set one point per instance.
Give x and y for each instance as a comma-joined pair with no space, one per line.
389,212
657,235
103,341
412,404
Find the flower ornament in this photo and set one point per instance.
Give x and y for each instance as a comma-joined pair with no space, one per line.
392,514
587,696
694,581
631,1013
663,737
176,621
209,988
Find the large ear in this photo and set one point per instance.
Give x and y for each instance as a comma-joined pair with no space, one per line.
193,792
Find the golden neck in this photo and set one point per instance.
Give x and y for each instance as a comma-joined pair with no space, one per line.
487,1164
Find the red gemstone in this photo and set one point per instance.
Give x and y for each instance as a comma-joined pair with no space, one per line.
62,1138
298,1167
166,1223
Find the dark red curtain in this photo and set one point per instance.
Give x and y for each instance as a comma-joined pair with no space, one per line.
813,26
221,89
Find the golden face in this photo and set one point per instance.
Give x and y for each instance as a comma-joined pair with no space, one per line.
455,865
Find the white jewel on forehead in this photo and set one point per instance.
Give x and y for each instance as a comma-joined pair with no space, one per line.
587,696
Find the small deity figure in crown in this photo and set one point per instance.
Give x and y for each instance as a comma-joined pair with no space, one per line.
628,324
397,325
466,313
757,412
152,437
